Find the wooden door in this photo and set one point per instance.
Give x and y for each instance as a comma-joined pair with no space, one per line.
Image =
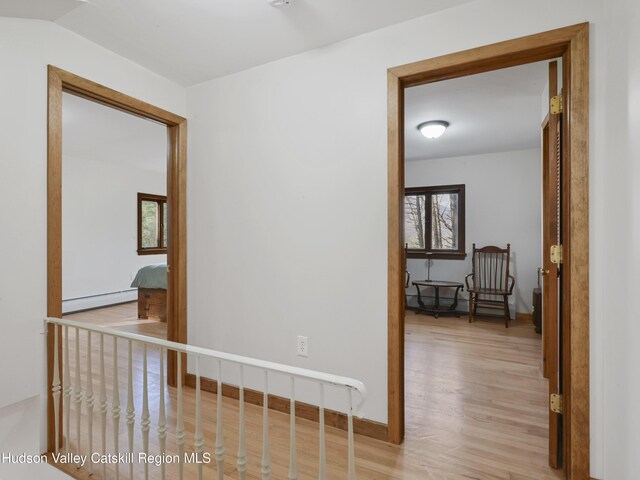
552,286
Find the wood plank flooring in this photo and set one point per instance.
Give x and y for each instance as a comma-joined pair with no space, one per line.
476,400
122,317
475,409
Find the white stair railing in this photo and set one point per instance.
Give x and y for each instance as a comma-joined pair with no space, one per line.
103,406
76,394
115,405
219,431
265,469
162,418
293,447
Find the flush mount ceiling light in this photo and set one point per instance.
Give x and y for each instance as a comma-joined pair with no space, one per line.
433,129
279,3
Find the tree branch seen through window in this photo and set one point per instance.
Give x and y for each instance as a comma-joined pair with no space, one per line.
152,224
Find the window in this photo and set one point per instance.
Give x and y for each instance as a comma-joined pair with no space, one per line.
152,224
434,222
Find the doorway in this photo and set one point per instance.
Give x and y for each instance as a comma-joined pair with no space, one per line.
114,206
571,44
59,82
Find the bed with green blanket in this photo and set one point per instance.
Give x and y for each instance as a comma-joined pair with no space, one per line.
151,282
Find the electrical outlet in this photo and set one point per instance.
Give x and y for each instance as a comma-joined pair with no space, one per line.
303,346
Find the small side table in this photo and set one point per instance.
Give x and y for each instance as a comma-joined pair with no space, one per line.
436,309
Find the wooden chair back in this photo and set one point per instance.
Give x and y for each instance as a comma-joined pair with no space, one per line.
490,268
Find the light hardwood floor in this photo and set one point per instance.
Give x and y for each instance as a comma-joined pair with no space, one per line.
122,317
476,401
475,409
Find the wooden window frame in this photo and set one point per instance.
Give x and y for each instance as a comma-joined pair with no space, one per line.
161,200
428,251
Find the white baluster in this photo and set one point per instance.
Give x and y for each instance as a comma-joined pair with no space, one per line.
322,469
162,418
352,463
103,406
55,389
180,421
77,393
293,460
242,448
66,382
115,406
266,453
131,413
219,431
145,421
89,401
197,441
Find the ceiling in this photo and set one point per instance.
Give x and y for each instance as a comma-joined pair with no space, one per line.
93,131
490,112
191,41
40,9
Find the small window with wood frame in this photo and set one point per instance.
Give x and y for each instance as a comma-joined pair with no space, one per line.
152,224
434,222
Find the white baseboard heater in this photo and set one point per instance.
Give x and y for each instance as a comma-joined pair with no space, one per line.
463,304
99,300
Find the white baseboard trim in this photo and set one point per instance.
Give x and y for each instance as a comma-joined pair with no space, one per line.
101,300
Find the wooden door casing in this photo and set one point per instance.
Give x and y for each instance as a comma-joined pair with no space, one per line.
572,44
58,81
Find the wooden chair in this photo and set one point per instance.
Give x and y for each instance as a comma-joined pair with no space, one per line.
490,278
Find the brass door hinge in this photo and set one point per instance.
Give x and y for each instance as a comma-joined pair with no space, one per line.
555,105
555,402
556,254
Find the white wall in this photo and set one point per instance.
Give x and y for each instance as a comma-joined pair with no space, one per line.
298,148
502,200
99,225
17,424
26,47
617,219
